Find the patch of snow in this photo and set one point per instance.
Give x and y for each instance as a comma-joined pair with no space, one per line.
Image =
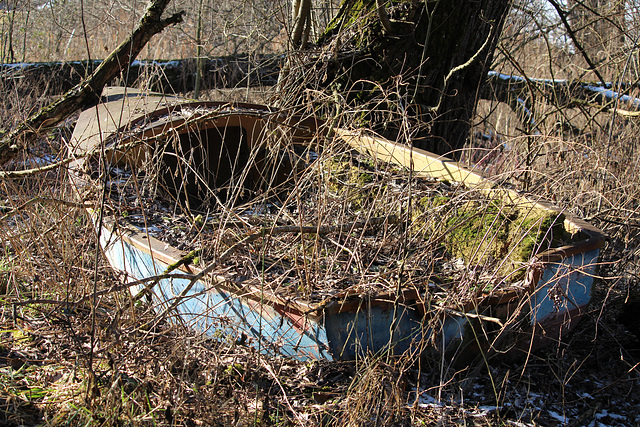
606,413
35,162
486,409
151,229
427,401
617,417
558,417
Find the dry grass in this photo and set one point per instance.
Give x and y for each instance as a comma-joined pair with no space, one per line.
172,375
91,363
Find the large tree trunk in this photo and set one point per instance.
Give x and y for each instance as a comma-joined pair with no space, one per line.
421,60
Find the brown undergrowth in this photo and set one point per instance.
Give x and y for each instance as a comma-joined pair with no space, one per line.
76,348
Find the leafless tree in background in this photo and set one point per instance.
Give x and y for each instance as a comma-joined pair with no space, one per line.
599,25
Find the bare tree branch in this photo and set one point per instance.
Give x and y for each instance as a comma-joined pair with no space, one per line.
563,17
88,92
384,18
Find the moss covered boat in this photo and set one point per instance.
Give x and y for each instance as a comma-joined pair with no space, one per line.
225,155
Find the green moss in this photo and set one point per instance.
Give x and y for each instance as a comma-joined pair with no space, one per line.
234,370
492,233
477,234
433,202
350,12
353,183
198,221
536,231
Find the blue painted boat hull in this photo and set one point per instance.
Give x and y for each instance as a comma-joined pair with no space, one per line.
345,331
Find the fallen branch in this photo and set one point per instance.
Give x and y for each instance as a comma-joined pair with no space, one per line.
33,171
35,200
563,93
88,92
518,93
168,76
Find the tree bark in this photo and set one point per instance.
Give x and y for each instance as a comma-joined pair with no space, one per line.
88,92
429,68
301,22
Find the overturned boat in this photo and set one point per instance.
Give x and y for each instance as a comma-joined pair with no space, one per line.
281,232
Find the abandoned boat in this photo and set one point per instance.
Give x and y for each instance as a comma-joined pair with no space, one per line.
214,160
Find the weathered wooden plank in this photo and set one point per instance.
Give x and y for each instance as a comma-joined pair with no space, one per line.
167,76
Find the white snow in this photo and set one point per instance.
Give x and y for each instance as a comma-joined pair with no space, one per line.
558,417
